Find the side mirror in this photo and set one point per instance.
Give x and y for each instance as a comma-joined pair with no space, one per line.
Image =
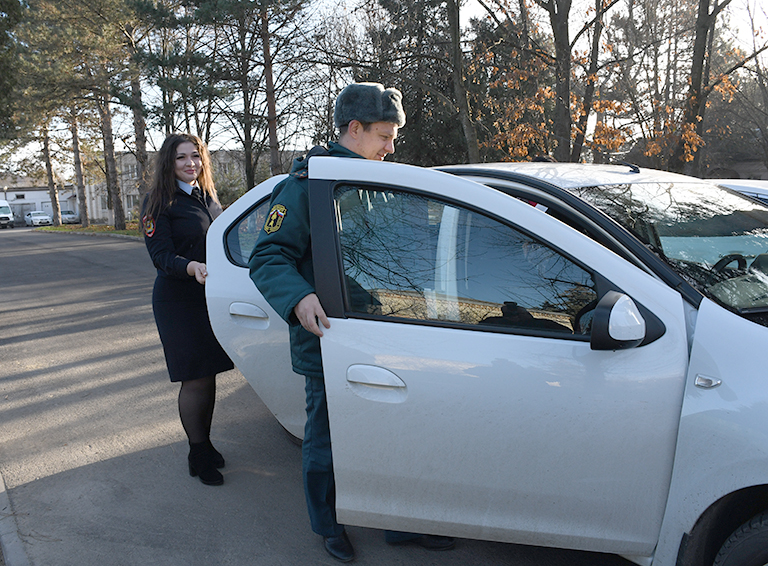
617,323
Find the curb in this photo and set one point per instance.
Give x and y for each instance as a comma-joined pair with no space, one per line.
94,234
12,546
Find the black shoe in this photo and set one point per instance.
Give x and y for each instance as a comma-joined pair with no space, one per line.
218,459
201,463
340,548
430,542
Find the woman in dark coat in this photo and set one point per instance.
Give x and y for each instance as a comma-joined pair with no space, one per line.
177,212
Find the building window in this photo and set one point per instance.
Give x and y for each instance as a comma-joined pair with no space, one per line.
20,197
131,201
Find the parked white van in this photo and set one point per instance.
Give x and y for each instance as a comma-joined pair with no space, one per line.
6,214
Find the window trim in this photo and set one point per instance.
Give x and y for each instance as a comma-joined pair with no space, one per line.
330,284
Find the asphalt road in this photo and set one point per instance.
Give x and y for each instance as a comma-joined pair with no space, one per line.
92,454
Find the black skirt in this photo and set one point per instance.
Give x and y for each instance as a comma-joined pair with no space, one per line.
191,349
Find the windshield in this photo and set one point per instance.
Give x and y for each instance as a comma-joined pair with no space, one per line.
715,238
5,209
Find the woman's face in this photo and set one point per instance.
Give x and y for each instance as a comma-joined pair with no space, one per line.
188,162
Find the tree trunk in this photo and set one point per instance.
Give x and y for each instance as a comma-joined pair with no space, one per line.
460,91
246,91
113,189
274,153
558,17
589,92
52,189
137,108
140,129
695,103
81,198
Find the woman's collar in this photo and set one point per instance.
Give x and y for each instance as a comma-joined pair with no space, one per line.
186,187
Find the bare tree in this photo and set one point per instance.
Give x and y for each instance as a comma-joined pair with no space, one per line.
703,80
52,185
78,164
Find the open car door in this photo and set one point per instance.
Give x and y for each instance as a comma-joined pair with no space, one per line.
465,393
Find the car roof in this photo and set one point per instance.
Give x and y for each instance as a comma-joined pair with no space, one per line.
570,175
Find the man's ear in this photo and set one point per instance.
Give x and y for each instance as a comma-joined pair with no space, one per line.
354,128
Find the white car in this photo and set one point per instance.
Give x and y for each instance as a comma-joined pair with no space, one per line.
37,218
548,354
70,217
751,187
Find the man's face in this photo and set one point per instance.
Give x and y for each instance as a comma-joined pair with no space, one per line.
376,142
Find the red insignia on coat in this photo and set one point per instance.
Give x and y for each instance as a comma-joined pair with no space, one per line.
149,225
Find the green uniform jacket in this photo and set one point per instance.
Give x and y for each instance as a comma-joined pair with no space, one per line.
281,261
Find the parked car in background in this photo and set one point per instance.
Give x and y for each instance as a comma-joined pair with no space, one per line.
37,218
69,217
549,354
751,187
6,215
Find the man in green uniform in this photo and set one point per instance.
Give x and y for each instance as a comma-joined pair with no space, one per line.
368,117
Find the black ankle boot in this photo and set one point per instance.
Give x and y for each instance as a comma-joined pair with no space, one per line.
201,463
218,459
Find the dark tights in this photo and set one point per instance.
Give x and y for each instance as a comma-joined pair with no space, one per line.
196,401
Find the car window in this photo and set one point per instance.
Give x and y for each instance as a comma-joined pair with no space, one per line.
716,239
242,234
406,256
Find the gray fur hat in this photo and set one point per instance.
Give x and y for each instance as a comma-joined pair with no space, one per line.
369,102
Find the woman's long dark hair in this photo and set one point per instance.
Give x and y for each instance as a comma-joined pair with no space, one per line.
164,184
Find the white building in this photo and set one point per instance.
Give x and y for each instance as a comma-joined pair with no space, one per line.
25,195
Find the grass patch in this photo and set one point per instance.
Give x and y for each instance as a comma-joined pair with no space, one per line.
131,229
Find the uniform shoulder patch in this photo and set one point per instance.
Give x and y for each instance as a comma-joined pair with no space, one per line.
275,218
149,225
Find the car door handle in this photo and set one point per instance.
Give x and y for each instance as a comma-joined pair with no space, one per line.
249,316
373,375
376,384
247,309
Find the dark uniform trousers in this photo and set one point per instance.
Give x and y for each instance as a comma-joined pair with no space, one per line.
317,467
317,462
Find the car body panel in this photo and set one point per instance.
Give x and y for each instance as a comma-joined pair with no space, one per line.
484,404
722,443
249,330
